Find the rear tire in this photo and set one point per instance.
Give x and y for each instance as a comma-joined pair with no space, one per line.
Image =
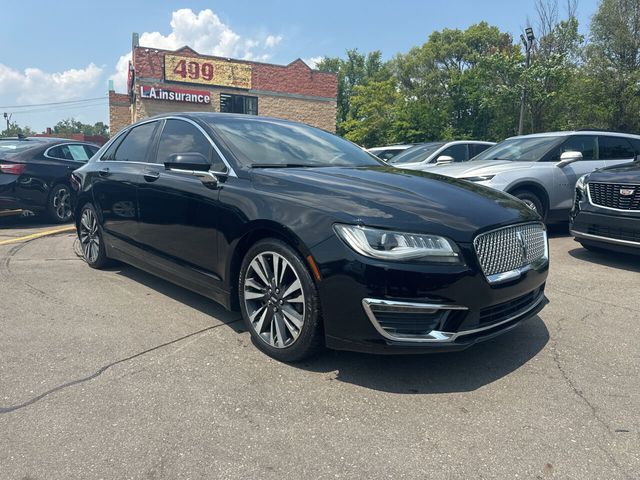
59,205
90,237
279,302
532,201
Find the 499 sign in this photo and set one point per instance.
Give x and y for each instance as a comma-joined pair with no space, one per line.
207,71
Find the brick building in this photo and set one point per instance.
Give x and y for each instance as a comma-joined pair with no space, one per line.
162,81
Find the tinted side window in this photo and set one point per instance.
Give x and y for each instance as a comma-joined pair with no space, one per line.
457,152
91,150
477,148
75,152
55,152
135,145
182,137
585,144
636,145
615,148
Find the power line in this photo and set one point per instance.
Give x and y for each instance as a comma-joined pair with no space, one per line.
55,109
55,103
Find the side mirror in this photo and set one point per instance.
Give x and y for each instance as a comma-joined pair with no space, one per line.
569,157
187,161
194,164
444,159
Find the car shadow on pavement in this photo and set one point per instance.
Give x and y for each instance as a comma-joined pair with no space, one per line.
20,222
182,295
622,261
463,371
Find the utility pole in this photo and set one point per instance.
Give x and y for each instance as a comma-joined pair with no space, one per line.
7,117
528,45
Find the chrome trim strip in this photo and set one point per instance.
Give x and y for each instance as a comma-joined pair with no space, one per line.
590,236
230,172
436,336
586,186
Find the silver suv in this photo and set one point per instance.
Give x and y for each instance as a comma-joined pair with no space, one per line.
427,155
542,169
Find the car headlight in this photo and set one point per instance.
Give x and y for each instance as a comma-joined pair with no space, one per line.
581,184
388,245
479,178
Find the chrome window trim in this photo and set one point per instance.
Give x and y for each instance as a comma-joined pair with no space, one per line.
609,208
436,336
46,152
501,277
617,241
230,171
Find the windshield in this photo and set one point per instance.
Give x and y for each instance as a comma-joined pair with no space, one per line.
8,147
416,154
258,142
522,149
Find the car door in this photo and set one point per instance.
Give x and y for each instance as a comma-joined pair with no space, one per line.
615,150
565,178
178,212
119,172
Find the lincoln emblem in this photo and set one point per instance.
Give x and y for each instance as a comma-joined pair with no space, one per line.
523,245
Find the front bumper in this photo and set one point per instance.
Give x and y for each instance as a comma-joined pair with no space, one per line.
447,308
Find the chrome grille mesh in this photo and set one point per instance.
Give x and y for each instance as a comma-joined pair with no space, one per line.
511,248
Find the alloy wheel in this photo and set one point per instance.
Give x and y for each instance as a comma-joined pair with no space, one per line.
62,203
274,299
530,204
89,236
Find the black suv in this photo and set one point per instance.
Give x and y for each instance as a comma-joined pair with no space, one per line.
606,210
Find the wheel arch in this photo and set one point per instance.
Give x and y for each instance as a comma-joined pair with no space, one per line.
255,232
534,188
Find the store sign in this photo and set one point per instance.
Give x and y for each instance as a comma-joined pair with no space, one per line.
175,95
207,71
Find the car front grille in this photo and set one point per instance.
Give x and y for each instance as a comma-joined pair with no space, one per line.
511,249
511,309
615,195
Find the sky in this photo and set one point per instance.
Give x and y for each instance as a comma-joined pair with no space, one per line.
69,50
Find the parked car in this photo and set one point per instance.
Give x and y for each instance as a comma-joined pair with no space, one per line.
390,151
35,174
428,155
313,239
542,169
606,210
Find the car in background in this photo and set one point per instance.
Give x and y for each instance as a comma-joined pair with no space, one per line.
542,169
606,210
428,155
35,174
314,240
390,151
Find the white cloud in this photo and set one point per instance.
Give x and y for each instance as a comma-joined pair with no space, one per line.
313,61
35,86
206,34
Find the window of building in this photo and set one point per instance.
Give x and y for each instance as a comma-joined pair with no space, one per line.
182,137
238,104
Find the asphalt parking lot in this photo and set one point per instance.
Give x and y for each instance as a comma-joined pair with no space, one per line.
117,374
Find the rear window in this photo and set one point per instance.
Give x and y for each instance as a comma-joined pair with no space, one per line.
9,147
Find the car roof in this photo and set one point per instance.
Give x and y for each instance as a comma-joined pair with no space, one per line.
568,133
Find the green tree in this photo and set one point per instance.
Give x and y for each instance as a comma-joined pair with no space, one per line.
71,126
14,130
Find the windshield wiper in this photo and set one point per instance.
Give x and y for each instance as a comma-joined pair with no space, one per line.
282,165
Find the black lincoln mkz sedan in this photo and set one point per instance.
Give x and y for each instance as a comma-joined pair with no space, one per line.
315,241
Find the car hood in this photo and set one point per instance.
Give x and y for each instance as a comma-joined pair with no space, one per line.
476,168
627,173
396,199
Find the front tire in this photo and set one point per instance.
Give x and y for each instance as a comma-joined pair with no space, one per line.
532,201
90,236
59,209
279,302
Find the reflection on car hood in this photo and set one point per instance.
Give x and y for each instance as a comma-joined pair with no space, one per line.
627,173
396,199
475,168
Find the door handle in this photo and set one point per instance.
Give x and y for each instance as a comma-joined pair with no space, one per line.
151,175
104,172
